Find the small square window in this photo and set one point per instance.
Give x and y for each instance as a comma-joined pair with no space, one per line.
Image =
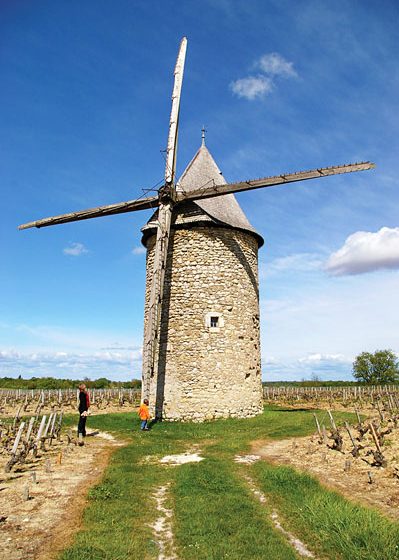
214,321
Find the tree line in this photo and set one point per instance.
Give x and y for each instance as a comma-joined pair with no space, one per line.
54,383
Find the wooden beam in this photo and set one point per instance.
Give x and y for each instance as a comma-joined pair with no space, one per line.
155,305
119,208
211,190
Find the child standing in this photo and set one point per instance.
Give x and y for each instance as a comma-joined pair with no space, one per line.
144,414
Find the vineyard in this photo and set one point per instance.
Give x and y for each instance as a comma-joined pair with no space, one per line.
32,435
361,397
28,402
42,465
32,421
360,458
353,447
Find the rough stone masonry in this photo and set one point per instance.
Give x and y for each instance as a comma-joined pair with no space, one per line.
209,352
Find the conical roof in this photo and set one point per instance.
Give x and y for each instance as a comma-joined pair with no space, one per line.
221,210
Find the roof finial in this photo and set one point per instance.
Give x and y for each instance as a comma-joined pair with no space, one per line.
203,130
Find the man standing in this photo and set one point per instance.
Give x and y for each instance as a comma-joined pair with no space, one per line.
84,404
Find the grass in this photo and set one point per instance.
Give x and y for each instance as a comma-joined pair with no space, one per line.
215,514
326,519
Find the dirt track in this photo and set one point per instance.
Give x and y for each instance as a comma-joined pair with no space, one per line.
41,526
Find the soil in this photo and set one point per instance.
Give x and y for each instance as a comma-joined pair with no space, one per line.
39,527
340,471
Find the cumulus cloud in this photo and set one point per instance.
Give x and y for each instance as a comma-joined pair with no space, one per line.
319,358
97,364
366,251
252,87
275,65
140,250
75,250
317,365
269,66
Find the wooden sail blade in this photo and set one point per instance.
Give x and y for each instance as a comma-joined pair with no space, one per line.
154,314
209,190
119,208
170,168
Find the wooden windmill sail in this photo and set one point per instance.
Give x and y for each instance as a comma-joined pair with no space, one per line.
171,196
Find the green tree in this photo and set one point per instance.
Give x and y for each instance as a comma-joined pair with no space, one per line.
378,368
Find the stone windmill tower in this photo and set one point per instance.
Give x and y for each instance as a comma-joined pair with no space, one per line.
201,356
209,351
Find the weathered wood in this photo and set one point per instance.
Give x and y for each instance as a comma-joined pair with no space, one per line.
18,438
333,425
377,443
151,337
318,428
30,427
211,190
108,210
356,447
41,428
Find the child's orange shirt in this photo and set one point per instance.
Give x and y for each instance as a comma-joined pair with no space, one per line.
144,412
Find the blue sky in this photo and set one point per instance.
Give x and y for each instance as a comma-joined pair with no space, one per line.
281,86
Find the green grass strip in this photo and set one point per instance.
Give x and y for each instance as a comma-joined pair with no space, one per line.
216,517
335,527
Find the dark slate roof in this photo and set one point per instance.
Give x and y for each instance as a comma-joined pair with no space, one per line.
221,210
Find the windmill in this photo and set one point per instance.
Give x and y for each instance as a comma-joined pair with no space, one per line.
187,397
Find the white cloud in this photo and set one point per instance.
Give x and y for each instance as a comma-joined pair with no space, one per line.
75,250
140,250
366,251
297,262
320,366
121,364
274,64
271,66
319,358
252,87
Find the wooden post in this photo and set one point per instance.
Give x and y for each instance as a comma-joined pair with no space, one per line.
41,428
17,439
334,427
318,427
377,443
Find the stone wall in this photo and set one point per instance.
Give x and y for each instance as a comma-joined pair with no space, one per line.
207,371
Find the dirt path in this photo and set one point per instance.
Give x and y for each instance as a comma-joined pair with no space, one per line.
38,528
